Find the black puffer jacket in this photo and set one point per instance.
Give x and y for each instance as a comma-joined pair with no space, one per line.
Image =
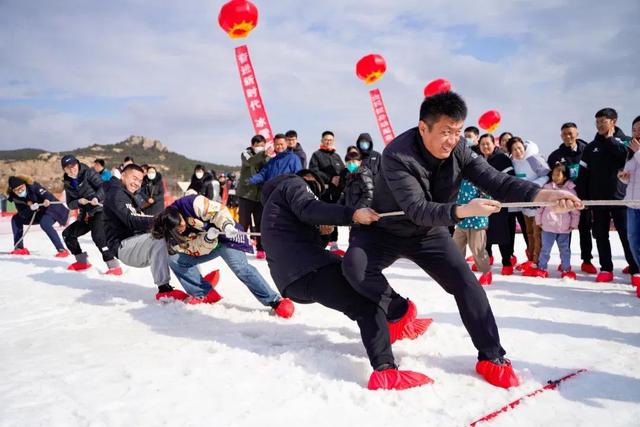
152,189
87,185
290,233
601,161
425,188
298,151
358,191
326,164
566,155
123,217
370,157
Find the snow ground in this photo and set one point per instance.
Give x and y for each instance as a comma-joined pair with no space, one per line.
83,349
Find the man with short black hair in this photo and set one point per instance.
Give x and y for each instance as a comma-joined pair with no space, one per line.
293,145
472,135
598,180
284,162
421,174
98,166
129,236
570,153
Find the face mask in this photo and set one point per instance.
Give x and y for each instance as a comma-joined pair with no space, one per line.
199,175
352,167
151,176
365,145
23,194
258,149
469,142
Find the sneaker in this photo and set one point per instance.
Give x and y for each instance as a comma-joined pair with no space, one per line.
213,277
408,327
21,251
114,271
63,253
588,268
568,275
486,279
172,294
625,270
394,379
535,272
261,255
498,372
284,308
604,277
524,266
507,270
79,266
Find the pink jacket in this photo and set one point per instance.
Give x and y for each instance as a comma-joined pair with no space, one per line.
560,223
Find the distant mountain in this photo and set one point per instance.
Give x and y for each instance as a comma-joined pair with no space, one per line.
45,168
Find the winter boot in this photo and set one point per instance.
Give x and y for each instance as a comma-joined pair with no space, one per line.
166,292
498,372
283,308
408,327
388,377
604,277
486,279
588,268
20,251
213,277
62,253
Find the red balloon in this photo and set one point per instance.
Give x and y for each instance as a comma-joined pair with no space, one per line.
371,68
238,18
490,120
437,86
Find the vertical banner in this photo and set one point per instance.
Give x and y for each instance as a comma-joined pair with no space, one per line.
257,111
381,116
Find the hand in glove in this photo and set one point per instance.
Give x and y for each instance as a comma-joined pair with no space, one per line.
230,231
212,233
34,206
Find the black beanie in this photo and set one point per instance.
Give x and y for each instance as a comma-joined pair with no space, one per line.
15,182
68,160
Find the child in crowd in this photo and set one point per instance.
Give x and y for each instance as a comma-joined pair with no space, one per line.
358,190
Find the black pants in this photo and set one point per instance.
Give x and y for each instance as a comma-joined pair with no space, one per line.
584,228
332,195
327,286
250,209
513,217
371,250
601,222
93,224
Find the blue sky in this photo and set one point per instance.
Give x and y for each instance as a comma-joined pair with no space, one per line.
76,73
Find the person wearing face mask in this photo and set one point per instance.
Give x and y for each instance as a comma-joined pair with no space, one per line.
152,192
252,159
84,191
370,157
32,198
358,190
202,183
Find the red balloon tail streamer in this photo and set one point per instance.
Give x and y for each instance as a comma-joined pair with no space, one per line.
551,385
384,125
257,110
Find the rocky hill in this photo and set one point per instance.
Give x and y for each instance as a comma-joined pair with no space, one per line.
45,166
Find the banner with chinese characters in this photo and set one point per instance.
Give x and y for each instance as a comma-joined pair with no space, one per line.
257,111
384,125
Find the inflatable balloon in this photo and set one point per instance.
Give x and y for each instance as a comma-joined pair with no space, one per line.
238,18
437,86
371,68
490,120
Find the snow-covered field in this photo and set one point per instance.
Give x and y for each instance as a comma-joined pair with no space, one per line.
83,349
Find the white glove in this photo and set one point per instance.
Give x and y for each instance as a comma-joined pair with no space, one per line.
212,233
230,231
34,206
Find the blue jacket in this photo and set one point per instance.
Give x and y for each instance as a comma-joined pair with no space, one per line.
284,163
105,175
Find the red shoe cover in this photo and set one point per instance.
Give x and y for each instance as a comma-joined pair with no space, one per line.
498,375
490,260
625,270
408,327
173,294
23,251
338,252
394,379
115,271
261,255
78,266
514,260
569,275
507,270
62,254
211,298
486,279
535,272
213,277
474,267
285,308
635,280
560,268
469,259
638,291
604,276
588,268
524,266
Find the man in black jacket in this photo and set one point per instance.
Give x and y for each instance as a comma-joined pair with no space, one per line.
420,175
83,190
601,161
570,153
328,165
294,237
129,232
293,145
370,157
